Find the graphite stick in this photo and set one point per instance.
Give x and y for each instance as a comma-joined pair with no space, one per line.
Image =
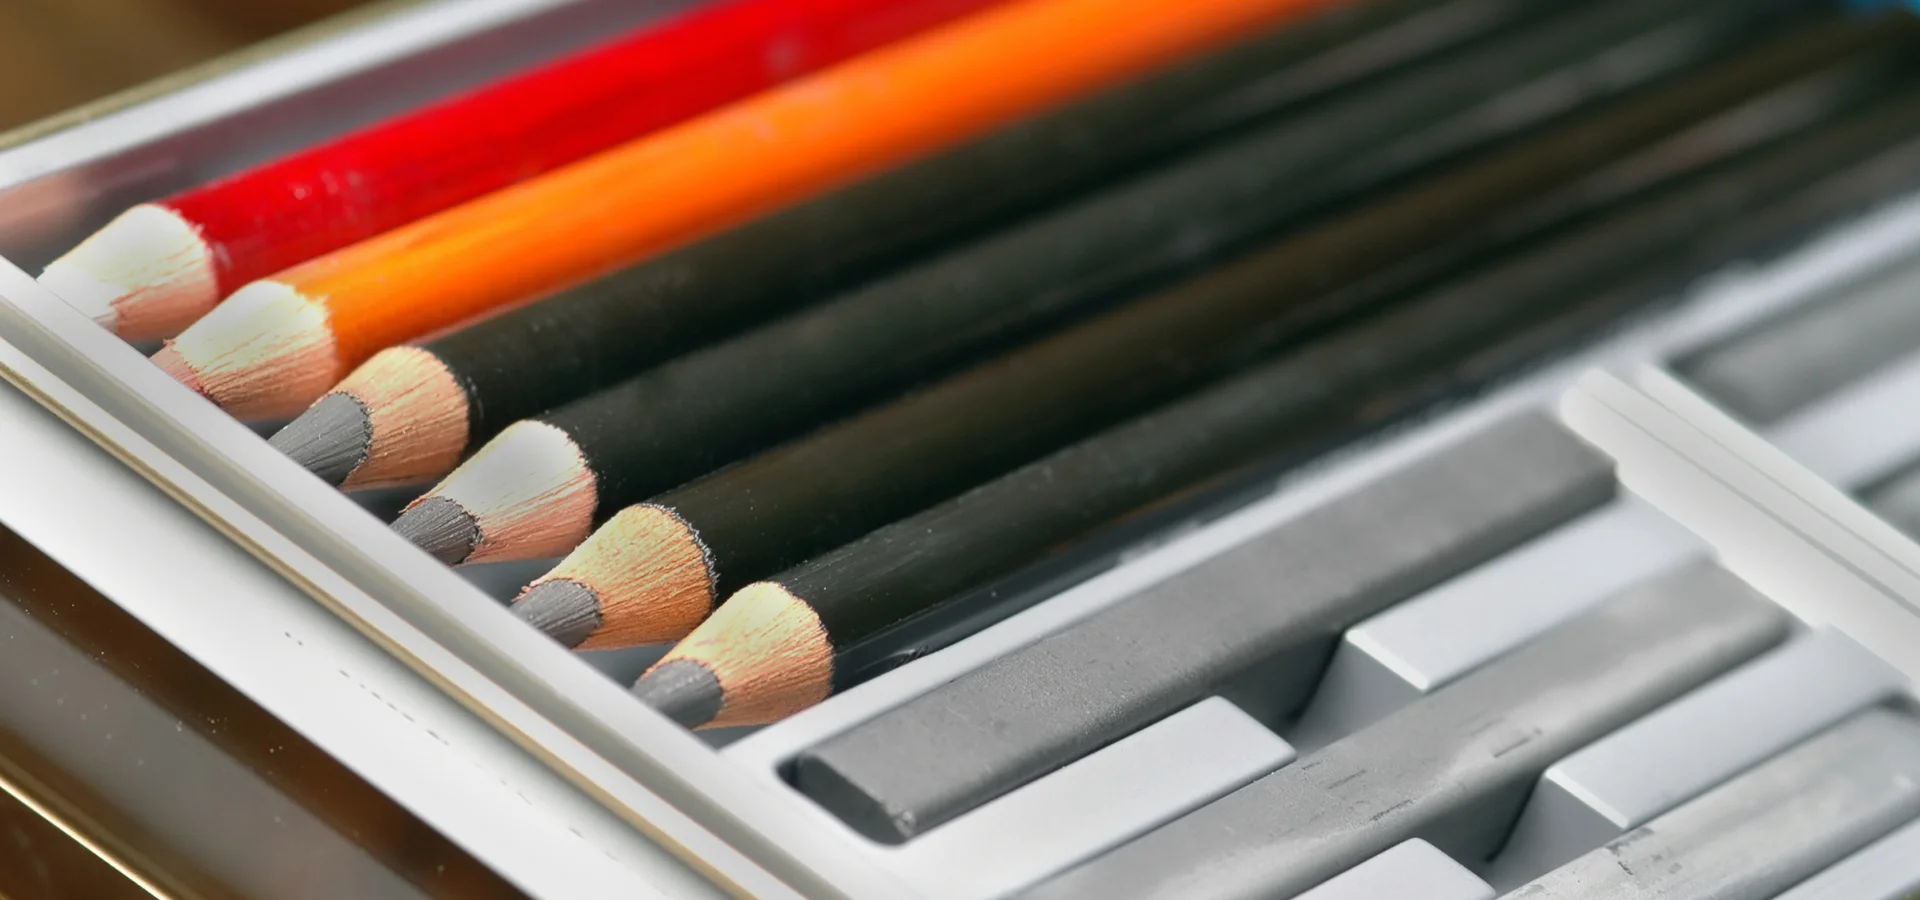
1766,830
1453,767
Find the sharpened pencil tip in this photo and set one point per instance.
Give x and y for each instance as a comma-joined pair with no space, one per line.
441,527
682,690
146,275
330,439
564,609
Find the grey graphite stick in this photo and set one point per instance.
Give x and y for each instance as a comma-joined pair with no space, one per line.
1883,871
1776,367
1764,831
1454,767
1897,500
1283,596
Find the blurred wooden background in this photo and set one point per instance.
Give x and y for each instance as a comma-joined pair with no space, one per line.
55,54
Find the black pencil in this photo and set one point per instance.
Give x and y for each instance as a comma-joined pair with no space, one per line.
619,446
755,518
821,608
408,414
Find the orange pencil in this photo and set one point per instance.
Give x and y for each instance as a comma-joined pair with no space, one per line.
278,344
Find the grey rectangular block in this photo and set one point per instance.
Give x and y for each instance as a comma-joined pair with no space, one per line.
1783,364
1854,438
1897,500
1453,768
1431,640
1255,623
1113,795
1625,779
1760,833
1409,870
1887,870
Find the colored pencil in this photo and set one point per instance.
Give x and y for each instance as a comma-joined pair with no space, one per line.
1386,362
659,429
163,264
276,345
755,518
410,412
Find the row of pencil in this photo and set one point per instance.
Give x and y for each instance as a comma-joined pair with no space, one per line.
918,294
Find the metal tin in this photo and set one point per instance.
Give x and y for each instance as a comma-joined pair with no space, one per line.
553,731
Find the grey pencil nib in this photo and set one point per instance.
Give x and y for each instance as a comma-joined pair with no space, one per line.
441,527
682,690
330,439
564,609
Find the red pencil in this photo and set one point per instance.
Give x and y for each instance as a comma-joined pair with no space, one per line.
161,265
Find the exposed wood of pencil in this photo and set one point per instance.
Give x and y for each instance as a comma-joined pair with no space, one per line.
277,345
643,545
532,471
762,656
533,359
161,265
689,416
528,493
399,419
758,517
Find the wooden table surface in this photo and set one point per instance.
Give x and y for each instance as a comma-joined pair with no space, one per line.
55,54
